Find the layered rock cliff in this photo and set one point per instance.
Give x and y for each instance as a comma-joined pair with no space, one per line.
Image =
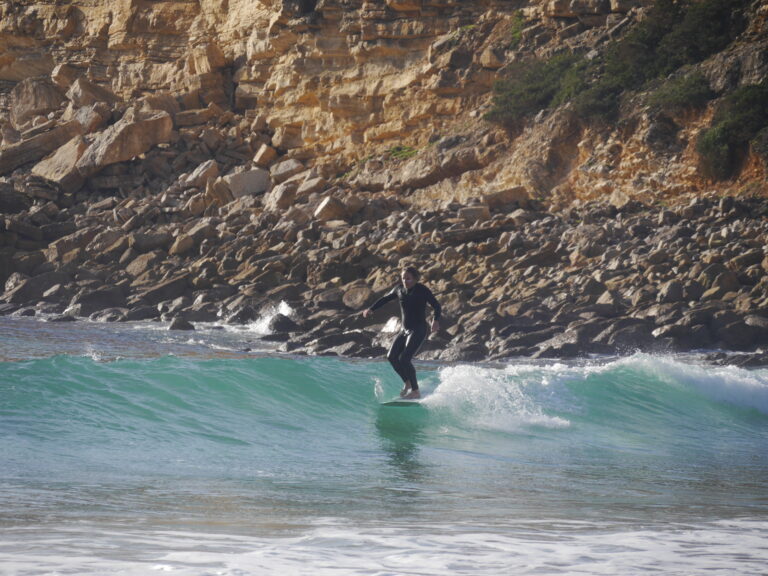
174,147
337,83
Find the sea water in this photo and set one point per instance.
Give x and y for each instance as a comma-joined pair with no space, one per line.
128,449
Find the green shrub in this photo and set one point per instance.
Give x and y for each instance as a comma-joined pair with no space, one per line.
682,93
401,152
673,33
740,117
528,88
516,29
760,144
707,27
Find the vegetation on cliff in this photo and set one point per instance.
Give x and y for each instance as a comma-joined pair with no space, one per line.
672,35
739,119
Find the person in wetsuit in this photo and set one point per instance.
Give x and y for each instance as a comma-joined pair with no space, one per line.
413,298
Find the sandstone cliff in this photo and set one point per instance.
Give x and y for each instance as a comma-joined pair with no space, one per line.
176,146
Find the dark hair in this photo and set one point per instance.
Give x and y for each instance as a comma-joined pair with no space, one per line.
412,271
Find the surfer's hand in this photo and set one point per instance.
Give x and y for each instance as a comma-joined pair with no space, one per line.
435,326
366,312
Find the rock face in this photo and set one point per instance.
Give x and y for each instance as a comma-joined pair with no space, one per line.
197,160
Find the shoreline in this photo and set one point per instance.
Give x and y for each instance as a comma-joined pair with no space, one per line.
219,348
520,282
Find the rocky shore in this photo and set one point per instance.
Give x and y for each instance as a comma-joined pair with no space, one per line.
184,165
194,216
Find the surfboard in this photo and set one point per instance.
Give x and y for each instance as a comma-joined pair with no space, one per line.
402,402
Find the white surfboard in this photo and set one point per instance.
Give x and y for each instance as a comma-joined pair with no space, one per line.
403,402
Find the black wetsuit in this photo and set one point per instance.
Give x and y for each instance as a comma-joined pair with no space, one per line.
413,308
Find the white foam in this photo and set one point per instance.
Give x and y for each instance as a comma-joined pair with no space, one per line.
392,325
506,399
724,384
261,326
336,548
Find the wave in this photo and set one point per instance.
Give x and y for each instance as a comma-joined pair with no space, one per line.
236,400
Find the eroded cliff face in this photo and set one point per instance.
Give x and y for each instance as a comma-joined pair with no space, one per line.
337,84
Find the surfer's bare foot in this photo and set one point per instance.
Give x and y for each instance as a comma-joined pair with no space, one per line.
412,395
406,390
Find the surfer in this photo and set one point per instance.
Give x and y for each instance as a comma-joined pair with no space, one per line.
413,297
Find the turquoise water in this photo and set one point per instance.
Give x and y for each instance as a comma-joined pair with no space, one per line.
137,452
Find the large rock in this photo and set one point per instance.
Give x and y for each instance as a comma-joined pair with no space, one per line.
144,262
281,197
248,183
264,156
208,170
61,167
148,241
330,209
79,239
89,301
167,290
286,169
33,97
513,195
84,93
32,289
134,134
37,147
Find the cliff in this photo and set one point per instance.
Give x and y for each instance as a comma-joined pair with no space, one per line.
198,130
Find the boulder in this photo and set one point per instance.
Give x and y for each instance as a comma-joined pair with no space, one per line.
84,93
150,241
281,197
61,167
264,156
280,323
200,176
357,296
514,195
63,75
89,301
32,289
94,117
79,239
179,323
143,262
134,134
286,169
472,214
37,147
312,186
183,244
167,290
247,183
330,209
33,97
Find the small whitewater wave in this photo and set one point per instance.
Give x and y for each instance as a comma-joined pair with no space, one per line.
261,326
505,399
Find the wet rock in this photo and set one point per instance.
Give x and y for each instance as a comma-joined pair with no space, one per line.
89,301
281,323
181,324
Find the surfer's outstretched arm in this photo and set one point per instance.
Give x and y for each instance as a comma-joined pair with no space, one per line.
388,297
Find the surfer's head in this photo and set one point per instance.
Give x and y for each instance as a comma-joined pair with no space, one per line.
409,277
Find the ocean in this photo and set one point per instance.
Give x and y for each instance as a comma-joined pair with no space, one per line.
131,450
